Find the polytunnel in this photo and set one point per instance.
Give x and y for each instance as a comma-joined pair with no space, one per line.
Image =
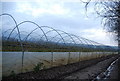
46,45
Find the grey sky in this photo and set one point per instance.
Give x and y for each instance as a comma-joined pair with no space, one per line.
67,16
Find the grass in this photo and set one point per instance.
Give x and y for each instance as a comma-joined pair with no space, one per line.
44,47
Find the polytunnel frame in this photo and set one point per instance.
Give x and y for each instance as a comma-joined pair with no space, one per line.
15,35
16,25
46,33
88,41
60,39
32,30
77,38
40,27
21,31
68,35
56,31
5,32
85,40
32,37
80,39
94,43
73,39
54,36
23,38
61,35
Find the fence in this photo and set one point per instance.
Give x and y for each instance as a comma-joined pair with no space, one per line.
12,60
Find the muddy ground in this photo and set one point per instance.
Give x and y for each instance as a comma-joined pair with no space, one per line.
102,70
87,70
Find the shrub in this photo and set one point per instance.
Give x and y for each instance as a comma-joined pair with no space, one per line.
38,67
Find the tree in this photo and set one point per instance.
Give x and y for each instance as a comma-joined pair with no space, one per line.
110,13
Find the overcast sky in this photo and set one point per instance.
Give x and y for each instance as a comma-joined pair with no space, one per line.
63,15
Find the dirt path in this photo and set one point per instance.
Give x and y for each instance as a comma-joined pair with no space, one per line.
112,73
94,70
80,70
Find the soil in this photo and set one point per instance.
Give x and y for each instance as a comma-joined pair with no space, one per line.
88,69
100,68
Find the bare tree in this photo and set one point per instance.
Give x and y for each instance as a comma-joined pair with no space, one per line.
110,13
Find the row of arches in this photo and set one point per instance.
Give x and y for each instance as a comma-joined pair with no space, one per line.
59,37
